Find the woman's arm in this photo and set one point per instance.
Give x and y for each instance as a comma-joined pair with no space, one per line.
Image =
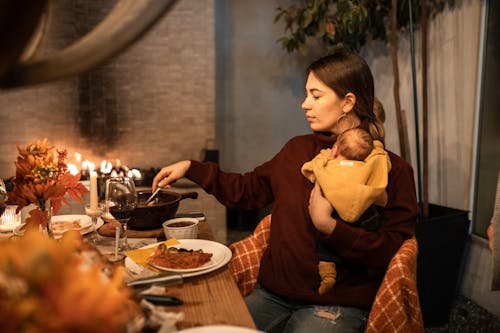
374,249
321,211
251,190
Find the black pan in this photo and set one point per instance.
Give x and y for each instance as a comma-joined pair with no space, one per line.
162,208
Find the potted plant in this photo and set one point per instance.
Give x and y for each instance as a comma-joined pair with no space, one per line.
441,231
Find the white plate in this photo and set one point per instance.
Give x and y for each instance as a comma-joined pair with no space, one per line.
7,228
194,244
221,256
19,230
83,220
219,329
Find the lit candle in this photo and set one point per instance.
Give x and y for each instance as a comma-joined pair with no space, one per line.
93,191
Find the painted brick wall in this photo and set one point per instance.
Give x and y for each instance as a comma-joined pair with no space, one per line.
151,105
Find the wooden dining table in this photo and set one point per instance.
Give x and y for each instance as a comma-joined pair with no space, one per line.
209,299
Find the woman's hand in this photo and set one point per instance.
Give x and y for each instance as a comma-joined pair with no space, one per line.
321,211
170,174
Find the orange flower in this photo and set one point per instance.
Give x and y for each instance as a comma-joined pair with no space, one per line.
41,176
46,286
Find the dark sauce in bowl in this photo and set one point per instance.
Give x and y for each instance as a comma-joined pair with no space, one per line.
180,224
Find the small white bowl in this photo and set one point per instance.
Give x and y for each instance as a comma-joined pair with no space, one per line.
181,228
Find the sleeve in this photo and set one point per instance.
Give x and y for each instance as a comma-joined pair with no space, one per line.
251,190
374,249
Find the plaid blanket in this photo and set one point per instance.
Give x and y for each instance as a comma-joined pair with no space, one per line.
245,263
396,307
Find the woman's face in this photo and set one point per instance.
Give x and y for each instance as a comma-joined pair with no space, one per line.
322,105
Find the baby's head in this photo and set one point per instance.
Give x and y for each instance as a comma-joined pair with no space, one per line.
353,144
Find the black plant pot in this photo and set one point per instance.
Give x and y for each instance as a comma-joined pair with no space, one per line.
442,239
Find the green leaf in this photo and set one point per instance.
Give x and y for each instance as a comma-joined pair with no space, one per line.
308,18
354,20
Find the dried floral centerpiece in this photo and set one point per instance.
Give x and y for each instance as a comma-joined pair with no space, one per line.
42,178
49,285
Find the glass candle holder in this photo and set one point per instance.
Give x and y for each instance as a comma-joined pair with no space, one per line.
9,219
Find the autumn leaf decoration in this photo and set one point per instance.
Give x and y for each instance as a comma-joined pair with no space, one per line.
42,176
49,285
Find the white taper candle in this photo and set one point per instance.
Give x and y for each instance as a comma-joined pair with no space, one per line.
93,190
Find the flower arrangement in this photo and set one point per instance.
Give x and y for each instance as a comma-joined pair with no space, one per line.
42,178
49,285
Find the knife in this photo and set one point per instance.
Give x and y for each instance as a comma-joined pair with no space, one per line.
162,299
158,279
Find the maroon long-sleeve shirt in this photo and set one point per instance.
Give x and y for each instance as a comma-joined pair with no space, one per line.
289,266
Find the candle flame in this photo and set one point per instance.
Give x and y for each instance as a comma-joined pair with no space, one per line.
85,167
73,169
78,157
106,167
135,174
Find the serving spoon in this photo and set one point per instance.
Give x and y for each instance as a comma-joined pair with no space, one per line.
152,196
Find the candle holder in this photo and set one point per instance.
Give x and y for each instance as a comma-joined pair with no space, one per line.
94,214
9,219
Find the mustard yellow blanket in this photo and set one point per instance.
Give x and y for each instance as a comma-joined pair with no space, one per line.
351,186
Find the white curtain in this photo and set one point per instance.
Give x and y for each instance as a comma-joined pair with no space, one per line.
453,55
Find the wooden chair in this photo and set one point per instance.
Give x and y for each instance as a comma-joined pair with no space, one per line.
396,307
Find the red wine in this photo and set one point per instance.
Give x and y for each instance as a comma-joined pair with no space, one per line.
120,214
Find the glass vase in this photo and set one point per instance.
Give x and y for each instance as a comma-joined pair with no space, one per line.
48,209
41,215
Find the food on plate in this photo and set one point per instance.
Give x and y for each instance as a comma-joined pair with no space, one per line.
59,226
178,258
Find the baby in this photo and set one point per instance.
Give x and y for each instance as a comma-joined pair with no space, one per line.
353,176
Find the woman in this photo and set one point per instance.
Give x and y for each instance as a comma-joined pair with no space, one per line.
339,96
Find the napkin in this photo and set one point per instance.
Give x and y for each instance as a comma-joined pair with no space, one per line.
140,256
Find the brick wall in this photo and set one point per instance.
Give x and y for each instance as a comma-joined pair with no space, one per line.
150,106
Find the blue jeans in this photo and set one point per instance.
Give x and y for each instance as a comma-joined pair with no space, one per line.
273,314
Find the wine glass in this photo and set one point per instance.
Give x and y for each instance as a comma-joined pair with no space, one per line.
121,200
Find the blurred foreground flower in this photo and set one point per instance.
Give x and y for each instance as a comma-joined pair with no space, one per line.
45,286
42,178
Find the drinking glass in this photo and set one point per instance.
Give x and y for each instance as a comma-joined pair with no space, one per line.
121,200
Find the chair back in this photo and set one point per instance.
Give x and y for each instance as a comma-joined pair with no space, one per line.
396,307
245,262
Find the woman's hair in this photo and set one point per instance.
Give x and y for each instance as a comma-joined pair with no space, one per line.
346,72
